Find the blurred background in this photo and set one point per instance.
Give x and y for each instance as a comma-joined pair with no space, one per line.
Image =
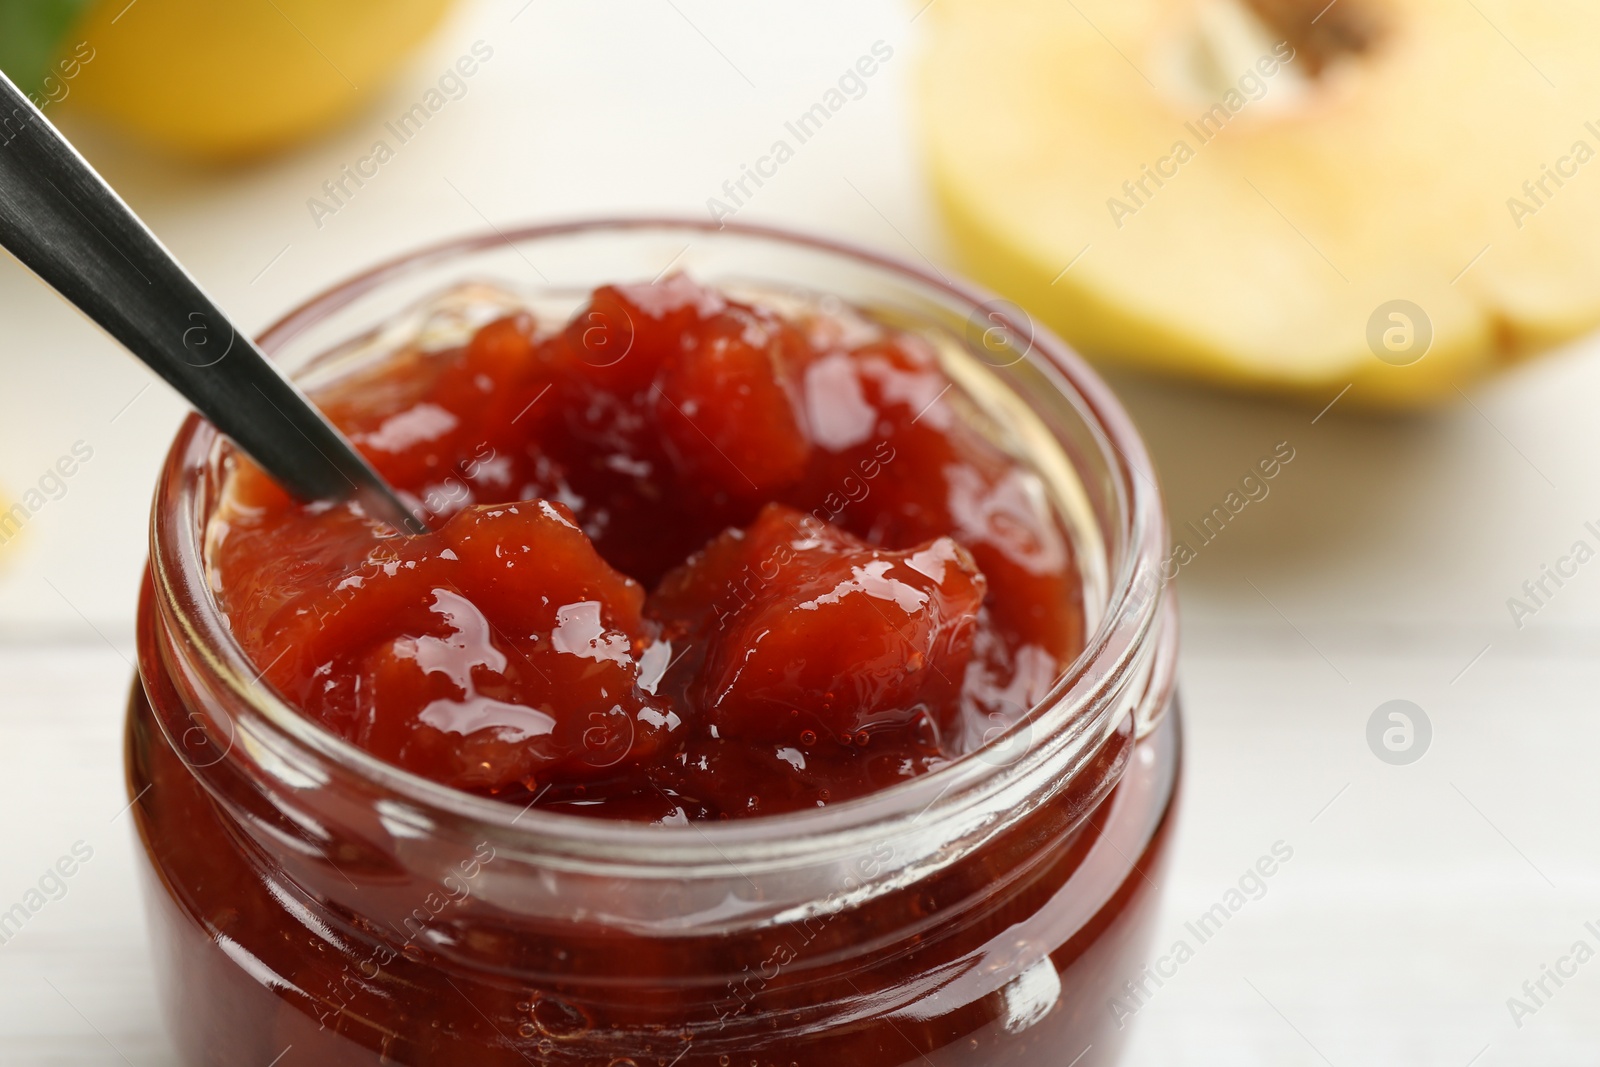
1385,563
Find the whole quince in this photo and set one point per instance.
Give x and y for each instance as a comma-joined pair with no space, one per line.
217,79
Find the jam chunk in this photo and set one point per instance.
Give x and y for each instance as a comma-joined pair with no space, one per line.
811,633
500,653
678,417
726,409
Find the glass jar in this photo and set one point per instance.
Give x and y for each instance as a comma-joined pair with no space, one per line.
312,905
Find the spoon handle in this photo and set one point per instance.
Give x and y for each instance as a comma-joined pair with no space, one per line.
61,219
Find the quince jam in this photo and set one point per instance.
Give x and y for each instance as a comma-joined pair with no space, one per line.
692,558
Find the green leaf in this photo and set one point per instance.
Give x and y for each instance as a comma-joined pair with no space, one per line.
31,33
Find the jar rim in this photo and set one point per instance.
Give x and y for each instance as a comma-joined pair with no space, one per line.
1083,706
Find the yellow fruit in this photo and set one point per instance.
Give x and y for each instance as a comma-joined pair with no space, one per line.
1242,192
226,79
10,529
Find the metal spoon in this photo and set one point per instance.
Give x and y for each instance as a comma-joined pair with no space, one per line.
61,219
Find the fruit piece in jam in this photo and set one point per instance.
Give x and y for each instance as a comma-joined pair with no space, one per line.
836,639
693,558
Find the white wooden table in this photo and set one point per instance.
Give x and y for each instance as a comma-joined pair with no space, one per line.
1418,899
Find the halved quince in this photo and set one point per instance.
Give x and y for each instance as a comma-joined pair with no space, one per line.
1294,195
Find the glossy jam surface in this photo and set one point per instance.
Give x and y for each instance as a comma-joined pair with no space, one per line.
693,558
